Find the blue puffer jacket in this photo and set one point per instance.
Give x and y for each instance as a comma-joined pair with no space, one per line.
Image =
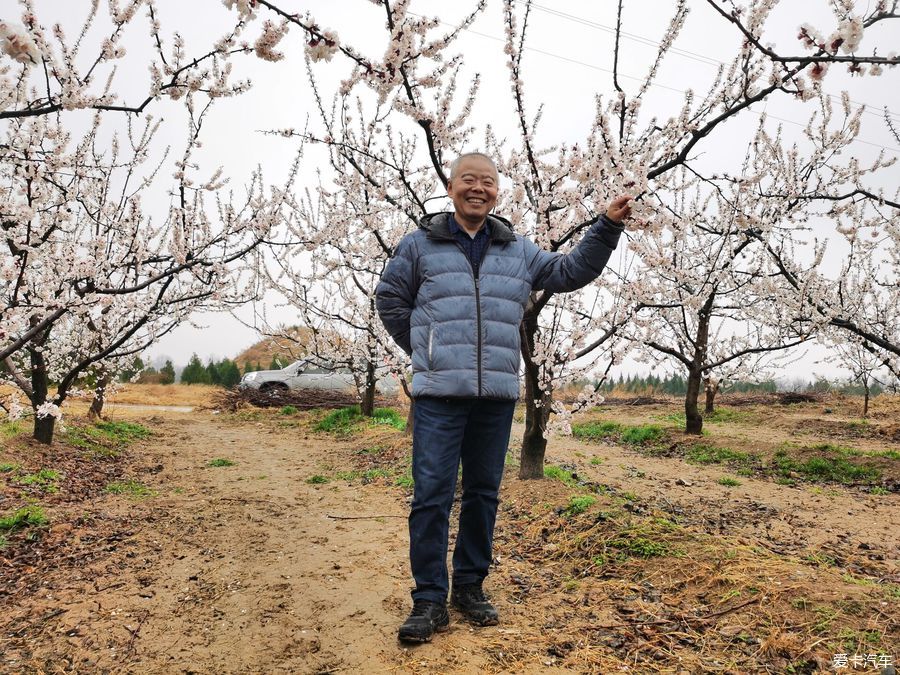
460,324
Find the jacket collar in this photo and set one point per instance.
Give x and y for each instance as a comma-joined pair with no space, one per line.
437,226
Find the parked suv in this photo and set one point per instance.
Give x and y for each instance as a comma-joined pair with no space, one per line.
308,375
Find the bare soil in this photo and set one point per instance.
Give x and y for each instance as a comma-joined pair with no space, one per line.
294,558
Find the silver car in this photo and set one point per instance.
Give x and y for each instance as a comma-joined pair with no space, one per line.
308,375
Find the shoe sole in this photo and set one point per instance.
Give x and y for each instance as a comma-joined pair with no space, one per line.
475,620
422,640
482,622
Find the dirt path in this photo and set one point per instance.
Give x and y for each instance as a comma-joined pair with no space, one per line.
243,568
252,568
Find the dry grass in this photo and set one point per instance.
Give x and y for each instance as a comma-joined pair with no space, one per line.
614,588
165,394
145,394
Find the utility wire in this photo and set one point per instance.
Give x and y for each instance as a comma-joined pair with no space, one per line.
640,79
694,56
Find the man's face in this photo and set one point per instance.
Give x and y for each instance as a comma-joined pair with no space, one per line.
473,190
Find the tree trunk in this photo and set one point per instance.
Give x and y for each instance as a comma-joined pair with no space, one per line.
43,429
367,405
693,419
410,415
866,401
712,388
40,385
534,441
96,410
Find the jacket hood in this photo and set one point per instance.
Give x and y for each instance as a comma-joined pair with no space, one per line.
437,225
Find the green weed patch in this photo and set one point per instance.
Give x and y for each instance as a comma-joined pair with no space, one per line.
344,420
709,454
106,439
10,429
405,481
837,469
596,430
642,434
25,517
613,431
45,480
130,488
579,504
643,542
122,432
220,461
558,473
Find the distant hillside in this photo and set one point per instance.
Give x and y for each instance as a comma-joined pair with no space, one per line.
286,350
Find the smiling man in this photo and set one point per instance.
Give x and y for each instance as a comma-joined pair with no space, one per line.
452,297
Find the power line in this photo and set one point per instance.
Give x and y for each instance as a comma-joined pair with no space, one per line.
694,56
640,79
631,36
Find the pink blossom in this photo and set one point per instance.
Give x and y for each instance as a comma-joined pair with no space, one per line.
18,44
817,71
322,48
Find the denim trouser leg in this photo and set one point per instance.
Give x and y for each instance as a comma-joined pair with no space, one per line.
445,431
483,455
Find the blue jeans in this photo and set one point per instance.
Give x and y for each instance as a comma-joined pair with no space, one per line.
445,432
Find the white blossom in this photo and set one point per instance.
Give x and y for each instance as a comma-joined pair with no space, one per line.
18,44
322,48
245,8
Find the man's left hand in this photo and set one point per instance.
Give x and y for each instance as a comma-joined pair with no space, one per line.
619,208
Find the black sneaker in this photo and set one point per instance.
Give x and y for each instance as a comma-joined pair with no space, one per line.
471,601
426,618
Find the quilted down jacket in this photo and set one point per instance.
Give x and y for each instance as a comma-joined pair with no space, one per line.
460,324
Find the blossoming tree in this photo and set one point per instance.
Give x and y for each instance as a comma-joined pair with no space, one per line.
94,273
416,122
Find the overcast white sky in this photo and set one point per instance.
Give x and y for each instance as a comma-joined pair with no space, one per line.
568,62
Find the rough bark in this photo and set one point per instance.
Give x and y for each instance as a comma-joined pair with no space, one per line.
40,385
712,388
96,410
367,405
537,407
693,418
43,429
410,415
534,441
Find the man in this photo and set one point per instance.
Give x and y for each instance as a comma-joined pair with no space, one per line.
452,297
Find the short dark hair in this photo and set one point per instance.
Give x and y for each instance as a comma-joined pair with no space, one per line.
454,165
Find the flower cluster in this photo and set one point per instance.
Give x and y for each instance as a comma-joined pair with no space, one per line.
321,45
16,43
245,8
268,39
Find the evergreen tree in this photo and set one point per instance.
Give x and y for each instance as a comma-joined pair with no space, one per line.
276,364
248,367
130,371
168,373
194,372
212,373
229,373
